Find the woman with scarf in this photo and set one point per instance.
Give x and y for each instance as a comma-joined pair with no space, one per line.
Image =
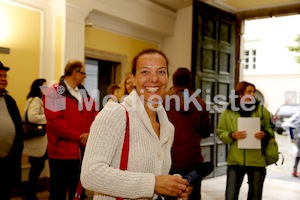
244,161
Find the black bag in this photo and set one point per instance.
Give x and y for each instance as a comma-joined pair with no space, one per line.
32,130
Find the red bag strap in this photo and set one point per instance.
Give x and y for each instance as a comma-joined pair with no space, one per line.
79,190
125,148
124,158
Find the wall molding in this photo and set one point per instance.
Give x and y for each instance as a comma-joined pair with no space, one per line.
104,55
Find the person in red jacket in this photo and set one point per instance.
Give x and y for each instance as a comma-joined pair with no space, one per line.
70,112
192,123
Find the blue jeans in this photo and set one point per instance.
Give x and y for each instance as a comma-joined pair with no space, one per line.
235,176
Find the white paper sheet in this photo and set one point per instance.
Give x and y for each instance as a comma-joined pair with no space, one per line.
251,125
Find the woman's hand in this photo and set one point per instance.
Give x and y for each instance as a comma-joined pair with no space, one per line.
259,135
239,135
174,186
185,194
83,138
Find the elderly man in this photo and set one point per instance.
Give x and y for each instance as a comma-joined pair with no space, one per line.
69,112
11,142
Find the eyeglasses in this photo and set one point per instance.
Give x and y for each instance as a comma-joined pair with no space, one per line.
83,73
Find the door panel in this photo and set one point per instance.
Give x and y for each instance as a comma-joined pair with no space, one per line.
213,66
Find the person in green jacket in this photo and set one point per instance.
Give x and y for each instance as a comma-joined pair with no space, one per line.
244,161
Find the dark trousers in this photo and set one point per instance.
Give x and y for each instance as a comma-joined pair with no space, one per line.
64,177
6,182
36,168
196,192
235,176
296,162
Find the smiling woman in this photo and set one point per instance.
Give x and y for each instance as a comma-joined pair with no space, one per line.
150,76
149,158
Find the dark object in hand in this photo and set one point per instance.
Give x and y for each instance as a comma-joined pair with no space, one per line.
201,171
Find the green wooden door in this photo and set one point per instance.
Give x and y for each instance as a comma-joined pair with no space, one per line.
213,66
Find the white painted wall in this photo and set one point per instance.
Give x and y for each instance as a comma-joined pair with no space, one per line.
276,69
179,46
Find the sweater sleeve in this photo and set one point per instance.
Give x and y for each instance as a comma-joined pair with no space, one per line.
100,167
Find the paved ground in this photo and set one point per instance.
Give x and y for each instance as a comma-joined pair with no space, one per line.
279,184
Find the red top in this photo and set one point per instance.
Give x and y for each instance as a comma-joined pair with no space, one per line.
66,122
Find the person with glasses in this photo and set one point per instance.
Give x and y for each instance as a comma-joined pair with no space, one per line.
69,113
11,140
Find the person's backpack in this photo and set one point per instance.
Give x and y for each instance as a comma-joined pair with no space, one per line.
269,145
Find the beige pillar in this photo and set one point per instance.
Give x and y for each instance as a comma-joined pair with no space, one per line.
69,29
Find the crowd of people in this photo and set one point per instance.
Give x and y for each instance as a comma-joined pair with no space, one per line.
158,144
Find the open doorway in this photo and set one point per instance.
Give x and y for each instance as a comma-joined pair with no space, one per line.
271,66
103,68
100,74
267,61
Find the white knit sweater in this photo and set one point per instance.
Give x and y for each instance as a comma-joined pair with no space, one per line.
36,146
148,154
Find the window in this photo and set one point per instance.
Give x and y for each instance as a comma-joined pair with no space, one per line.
250,59
290,97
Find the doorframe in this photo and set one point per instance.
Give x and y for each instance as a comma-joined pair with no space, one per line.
109,56
255,14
